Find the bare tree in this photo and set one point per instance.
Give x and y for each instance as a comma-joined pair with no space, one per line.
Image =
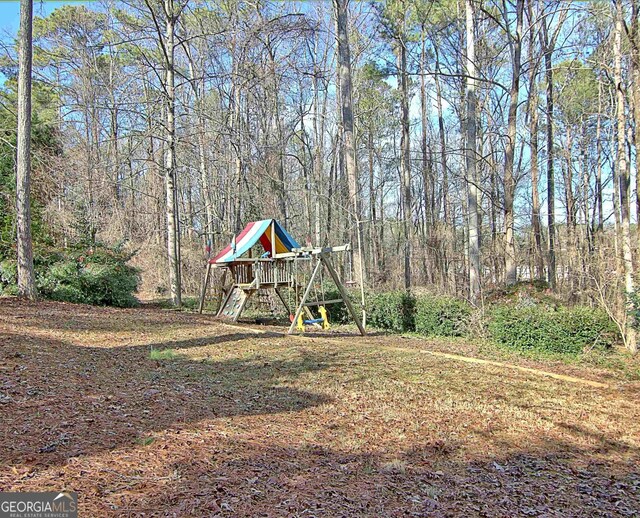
166,36
346,112
534,145
633,33
547,44
405,145
515,42
471,159
623,171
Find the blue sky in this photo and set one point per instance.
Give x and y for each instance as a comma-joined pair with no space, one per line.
10,12
10,17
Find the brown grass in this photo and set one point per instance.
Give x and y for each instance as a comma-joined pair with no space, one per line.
151,412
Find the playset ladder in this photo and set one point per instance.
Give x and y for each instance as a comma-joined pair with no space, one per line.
234,303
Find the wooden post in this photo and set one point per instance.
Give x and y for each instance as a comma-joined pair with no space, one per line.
204,287
327,262
223,290
257,273
273,238
284,302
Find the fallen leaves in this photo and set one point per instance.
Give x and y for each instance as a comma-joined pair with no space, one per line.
235,422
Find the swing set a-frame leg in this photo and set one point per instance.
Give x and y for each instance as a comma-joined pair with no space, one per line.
205,285
343,293
302,306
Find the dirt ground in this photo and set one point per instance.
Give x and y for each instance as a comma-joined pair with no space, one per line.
149,412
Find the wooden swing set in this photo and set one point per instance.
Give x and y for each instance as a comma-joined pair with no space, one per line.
280,267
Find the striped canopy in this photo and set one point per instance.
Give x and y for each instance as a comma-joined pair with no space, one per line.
264,231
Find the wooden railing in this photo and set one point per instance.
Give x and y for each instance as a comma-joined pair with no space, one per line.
264,272
243,273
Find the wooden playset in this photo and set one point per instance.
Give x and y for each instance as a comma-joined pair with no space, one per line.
265,259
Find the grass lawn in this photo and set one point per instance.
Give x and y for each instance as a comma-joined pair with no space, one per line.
152,412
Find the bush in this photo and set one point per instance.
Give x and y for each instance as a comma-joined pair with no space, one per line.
442,316
633,299
8,277
556,330
337,313
61,281
98,275
393,310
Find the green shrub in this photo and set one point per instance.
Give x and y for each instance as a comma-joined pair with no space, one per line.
442,316
110,284
98,275
633,299
8,276
61,281
556,330
392,310
337,313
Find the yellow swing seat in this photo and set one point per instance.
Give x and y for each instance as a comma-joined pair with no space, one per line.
322,320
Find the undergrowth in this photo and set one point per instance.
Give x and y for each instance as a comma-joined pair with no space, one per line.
554,330
95,274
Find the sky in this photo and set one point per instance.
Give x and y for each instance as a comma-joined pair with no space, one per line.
10,17
10,12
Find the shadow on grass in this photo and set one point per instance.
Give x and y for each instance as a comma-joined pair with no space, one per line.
247,478
60,400
82,317
216,339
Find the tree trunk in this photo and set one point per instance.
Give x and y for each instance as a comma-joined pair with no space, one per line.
443,238
199,91
274,137
471,159
533,136
551,184
598,204
319,118
634,37
567,174
26,276
623,176
173,223
405,159
509,179
427,174
346,112
373,235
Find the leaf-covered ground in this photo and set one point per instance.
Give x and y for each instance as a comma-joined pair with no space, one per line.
146,412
